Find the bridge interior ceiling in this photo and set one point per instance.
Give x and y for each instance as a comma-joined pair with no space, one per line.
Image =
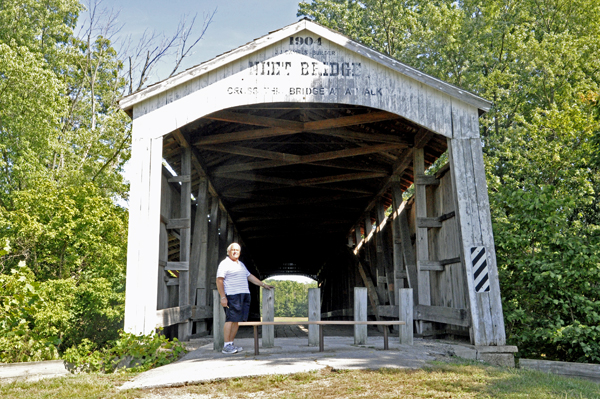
296,178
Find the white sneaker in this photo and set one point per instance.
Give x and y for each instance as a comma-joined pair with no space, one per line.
238,348
229,349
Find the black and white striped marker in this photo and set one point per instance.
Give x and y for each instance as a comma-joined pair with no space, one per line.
480,269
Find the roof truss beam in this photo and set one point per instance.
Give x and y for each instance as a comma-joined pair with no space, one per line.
278,159
272,131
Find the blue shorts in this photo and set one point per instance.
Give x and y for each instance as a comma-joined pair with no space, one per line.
239,308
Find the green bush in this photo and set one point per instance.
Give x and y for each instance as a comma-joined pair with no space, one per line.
549,267
77,310
129,352
38,320
19,301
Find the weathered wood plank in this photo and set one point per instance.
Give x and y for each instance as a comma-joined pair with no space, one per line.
436,265
430,265
202,313
384,251
213,244
428,223
218,322
426,180
246,119
409,254
581,370
439,314
373,299
179,179
268,314
307,127
183,223
143,255
180,266
464,222
398,259
184,329
360,314
314,314
405,313
422,241
285,159
198,273
488,240
170,316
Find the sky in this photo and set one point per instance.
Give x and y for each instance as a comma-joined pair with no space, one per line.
235,23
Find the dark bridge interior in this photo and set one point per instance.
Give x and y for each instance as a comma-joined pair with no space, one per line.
296,178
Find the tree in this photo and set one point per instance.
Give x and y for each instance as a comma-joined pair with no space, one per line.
63,145
537,60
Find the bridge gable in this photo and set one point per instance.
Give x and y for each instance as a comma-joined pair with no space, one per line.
303,63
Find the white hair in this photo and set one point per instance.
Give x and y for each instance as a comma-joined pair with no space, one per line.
232,245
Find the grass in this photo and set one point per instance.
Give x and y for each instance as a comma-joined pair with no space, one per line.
441,380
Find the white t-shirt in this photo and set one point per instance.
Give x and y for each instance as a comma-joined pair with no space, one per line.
235,275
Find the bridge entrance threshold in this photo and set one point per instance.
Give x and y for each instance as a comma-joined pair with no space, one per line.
293,355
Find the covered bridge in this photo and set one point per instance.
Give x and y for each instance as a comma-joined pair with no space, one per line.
301,145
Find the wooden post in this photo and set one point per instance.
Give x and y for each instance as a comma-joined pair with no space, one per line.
477,241
213,243
199,259
422,242
398,262
360,314
373,299
163,292
384,260
218,322
409,254
184,330
314,314
223,222
230,229
144,232
268,314
406,305
371,258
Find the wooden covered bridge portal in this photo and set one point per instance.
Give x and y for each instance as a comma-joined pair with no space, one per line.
296,145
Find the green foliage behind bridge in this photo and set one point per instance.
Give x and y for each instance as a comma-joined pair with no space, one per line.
291,298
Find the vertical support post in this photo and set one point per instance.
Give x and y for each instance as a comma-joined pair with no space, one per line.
144,231
213,243
268,314
406,306
422,242
475,226
314,314
218,322
360,314
198,260
230,229
399,271
163,291
383,252
183,330
223,222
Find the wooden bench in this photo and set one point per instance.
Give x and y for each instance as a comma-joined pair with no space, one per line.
255,324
